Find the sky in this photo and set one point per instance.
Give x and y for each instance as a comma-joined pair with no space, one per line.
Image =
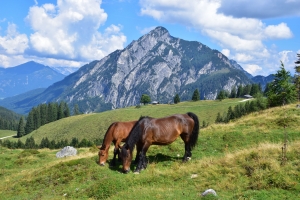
258,34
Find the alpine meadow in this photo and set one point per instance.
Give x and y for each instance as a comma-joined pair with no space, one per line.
149,100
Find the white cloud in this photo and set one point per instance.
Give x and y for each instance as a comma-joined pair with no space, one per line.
278,31
226,52
252,69
242,36
69,30
13,42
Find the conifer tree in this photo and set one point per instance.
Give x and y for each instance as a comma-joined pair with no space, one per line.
297,77
76,109
281,91
196,95
233,92
240,91
21,128
29,127
176,99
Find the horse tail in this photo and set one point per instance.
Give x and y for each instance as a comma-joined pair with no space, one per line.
194,136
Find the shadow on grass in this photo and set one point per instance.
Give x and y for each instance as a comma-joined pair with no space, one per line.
158,158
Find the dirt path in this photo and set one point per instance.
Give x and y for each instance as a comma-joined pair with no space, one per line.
7,137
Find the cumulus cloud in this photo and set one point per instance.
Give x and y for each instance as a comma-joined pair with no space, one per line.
252,69
70,30
13,42
243,36
226,52
260,9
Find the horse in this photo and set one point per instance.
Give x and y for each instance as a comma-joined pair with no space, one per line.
116,133
159,131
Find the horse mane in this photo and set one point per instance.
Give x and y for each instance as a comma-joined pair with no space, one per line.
134,136
107,132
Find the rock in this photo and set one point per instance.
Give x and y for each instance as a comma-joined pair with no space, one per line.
66,151
209,191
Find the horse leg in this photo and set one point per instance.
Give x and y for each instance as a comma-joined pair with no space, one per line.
116,151
142,163
138,151
187,154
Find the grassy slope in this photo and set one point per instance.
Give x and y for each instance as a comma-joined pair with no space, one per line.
4,133
240,160
93,126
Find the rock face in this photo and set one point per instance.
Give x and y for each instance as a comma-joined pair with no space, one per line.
66,151
156,64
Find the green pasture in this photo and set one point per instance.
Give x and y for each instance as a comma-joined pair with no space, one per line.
93,126
240,160
5,133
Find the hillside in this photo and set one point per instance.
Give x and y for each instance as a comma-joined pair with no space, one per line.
239,160
93,126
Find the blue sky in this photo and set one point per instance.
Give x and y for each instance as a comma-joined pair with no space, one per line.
257,34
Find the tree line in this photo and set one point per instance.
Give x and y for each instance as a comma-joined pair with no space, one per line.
41,115
46,143
283,90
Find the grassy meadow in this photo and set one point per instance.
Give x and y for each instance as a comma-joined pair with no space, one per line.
239,160
93,126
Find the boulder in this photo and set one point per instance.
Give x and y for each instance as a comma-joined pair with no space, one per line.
66,151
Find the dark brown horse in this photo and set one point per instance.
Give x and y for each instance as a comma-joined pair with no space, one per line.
116,133
160,131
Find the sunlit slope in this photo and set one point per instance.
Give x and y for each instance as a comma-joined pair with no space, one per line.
93,126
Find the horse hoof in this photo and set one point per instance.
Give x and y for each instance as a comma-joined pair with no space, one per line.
188,158
136,172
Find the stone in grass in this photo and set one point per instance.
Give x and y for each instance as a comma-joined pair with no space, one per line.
66,151
209,191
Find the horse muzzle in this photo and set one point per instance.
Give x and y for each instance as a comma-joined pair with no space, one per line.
102,164
126,171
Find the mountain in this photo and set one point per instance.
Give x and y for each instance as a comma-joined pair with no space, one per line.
156,64
263,80
65,70
25,77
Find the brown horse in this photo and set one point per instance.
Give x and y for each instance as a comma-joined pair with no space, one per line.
116,133
160,131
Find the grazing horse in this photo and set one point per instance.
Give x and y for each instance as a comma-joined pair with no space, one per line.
116,133
159,131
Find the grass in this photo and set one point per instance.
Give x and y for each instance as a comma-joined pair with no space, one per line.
93,126
5,133
239,160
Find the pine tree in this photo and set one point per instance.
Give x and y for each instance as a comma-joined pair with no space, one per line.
21,128
60,111
196,95
297,76
76,109
43,114
282,91
240,91
233,92
29,127
221,95
176,99
66,110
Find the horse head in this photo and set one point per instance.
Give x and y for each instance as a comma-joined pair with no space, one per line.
103,154
126,158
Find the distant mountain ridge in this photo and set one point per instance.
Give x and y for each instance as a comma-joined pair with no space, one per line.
26,77
156,64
